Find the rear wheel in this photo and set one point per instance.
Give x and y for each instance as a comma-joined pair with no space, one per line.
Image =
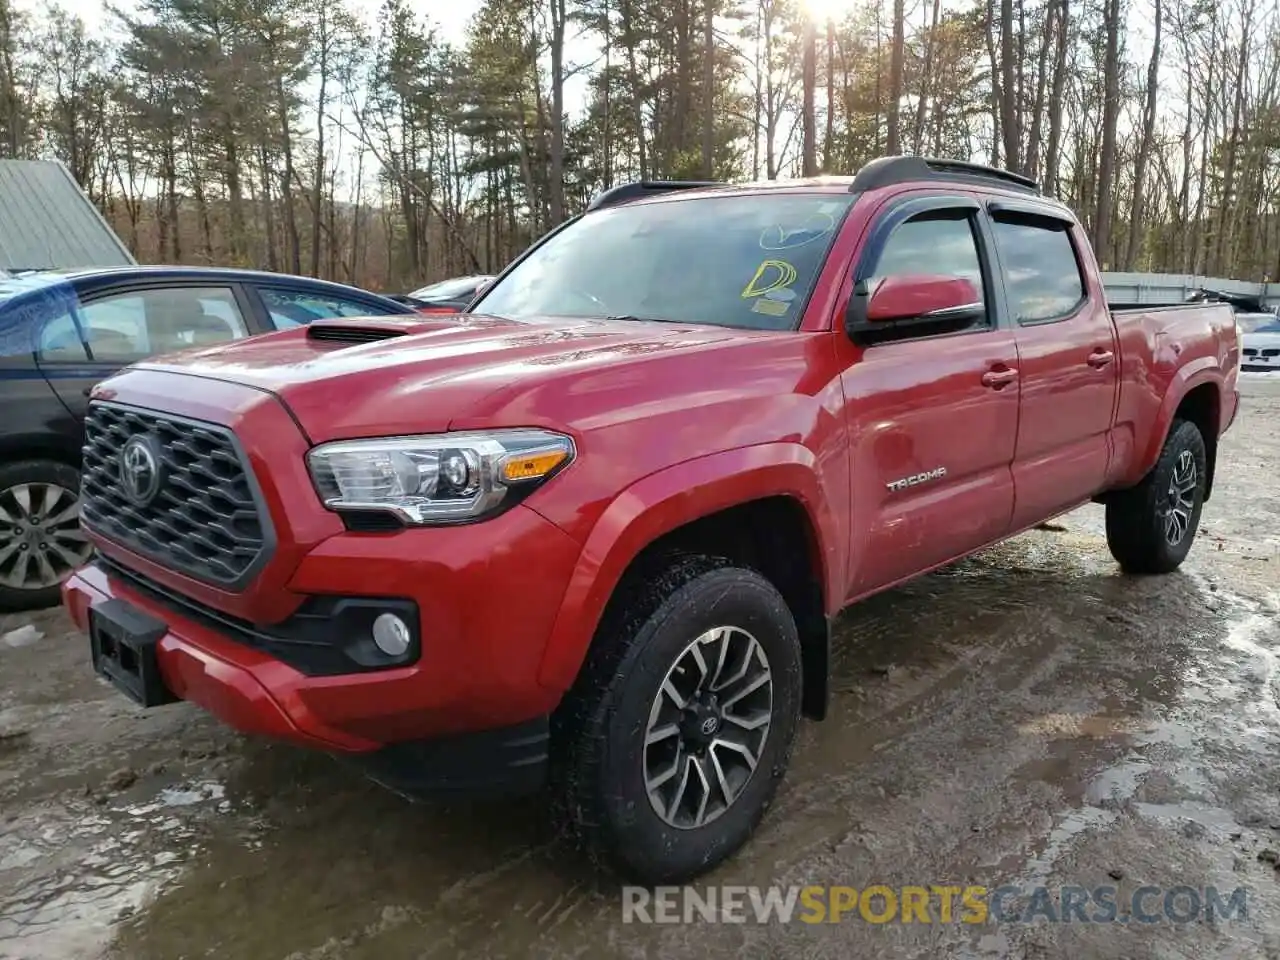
676,737
1150,528
41,542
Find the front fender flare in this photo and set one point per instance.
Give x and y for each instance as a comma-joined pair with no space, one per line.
666,500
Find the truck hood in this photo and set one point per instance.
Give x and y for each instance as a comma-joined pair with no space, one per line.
397,375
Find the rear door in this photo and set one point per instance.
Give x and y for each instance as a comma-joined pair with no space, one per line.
90,339
932,419
1067,356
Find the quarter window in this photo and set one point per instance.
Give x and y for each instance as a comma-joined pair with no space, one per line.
1041,271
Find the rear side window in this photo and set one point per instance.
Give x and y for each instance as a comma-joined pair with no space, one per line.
1041,271
289,308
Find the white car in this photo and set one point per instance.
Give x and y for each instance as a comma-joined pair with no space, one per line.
1260,340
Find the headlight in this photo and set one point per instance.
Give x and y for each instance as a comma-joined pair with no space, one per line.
442,478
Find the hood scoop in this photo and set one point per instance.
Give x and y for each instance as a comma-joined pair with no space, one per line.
358,331
374,329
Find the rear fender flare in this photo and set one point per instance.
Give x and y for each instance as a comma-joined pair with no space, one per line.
664,501
1195,374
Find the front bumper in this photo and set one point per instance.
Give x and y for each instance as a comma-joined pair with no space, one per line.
487,596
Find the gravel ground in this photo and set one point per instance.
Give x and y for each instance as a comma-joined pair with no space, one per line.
1028,717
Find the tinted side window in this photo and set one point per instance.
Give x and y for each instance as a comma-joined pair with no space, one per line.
60,341
291,309
1041,272
116,328
131,326
936,244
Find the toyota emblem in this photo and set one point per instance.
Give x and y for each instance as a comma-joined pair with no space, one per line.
140,470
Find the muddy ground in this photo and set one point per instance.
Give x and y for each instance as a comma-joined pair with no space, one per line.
1029,716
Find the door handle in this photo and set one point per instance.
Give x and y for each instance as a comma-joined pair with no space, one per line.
998,379
1100,358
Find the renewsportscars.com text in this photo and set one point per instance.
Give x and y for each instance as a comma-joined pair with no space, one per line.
937,903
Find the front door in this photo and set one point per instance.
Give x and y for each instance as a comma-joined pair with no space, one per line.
1067,356
932,419
90,340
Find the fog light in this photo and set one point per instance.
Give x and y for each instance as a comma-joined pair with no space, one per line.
391,635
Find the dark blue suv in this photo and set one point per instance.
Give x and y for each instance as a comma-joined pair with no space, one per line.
62,332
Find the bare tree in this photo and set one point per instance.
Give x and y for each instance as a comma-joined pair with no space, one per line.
1146,142
810,167
1110,117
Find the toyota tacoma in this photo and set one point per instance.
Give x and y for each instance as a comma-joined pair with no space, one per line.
591,533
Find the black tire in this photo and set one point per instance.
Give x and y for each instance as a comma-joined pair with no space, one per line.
1138,518
599,733
45,473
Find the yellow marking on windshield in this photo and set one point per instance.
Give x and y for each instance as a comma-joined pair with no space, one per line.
815,226
770,275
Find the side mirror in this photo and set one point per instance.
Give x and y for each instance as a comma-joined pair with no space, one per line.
475,297
912,304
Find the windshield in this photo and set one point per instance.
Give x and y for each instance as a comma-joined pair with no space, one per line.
747,260
1259,323
445,289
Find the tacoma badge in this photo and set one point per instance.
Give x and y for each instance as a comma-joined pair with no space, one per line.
937,473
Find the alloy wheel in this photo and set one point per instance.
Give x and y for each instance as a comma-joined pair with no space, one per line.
707,727
1180,499
40,537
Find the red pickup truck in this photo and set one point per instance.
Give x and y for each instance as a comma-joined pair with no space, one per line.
592,532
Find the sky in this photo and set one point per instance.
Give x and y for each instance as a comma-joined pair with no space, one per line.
451,15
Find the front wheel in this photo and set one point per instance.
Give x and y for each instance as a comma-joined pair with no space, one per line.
1150,528
677,736
41,542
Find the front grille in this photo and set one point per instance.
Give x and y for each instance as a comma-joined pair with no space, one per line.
1271,352
1250,352
203,518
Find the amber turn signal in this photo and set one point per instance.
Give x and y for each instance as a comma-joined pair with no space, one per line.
531,466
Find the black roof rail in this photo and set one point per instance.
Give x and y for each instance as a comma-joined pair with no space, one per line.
885,171
646,188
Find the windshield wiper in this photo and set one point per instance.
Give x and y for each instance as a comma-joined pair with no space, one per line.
633,317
